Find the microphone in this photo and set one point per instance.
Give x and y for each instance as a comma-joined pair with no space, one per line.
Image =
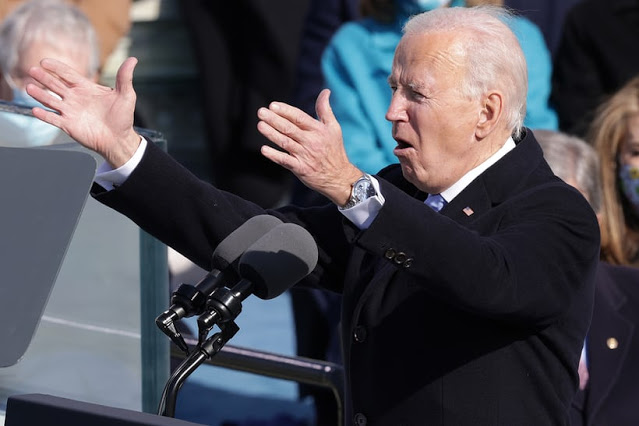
270,266
189,300
278,260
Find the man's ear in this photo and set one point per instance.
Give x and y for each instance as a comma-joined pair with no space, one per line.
489,114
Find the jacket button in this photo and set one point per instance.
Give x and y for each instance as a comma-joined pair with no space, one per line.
408,262
360,419
359,334
400,258
390,254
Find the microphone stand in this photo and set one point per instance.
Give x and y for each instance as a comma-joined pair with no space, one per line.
186,301
203,351
223,307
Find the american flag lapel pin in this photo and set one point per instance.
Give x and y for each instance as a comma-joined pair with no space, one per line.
468,211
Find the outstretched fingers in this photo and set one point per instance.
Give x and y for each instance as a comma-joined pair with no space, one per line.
62,70
277,125
49,81
50,101
281,158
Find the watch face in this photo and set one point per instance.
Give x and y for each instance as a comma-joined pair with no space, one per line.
363,189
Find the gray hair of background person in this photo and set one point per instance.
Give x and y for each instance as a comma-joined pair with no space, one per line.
573,160
493,53
52,21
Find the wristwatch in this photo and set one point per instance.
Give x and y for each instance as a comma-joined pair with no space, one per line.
362,189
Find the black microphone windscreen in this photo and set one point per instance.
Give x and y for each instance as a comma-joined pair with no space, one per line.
278,260
238,241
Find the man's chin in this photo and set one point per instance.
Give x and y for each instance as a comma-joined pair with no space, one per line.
408,172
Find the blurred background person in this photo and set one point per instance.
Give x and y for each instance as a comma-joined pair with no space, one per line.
323,18
547,14
34,30
246,52
110,20
609,373
597,54
615,135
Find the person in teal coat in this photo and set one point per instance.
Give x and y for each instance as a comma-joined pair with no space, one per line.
357,62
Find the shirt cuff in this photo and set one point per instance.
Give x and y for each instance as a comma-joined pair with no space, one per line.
363,214
109,178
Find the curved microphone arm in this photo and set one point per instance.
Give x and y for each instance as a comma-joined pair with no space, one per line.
197,357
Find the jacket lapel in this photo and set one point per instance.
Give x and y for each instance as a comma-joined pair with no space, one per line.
493,186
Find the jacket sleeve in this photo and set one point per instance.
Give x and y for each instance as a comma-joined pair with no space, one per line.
188,214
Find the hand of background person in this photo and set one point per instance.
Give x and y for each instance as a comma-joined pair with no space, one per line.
311,148
98,117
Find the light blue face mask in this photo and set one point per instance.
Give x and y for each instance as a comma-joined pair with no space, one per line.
629,178
17,130
412,7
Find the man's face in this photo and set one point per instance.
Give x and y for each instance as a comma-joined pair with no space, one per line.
433,123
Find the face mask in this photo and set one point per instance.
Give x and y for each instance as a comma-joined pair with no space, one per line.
17,130
431,4
412,7
629,176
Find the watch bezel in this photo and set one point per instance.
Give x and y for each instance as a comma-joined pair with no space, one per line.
361,190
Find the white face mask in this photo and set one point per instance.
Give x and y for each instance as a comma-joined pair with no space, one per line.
411,7
431,4
17,130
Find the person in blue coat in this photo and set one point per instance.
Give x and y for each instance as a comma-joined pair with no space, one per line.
357,62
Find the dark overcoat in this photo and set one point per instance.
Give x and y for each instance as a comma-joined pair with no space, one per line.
472,316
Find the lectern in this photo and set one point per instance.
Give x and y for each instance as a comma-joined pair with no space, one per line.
42,194
44,410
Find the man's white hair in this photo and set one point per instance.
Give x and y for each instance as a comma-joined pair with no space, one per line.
494,58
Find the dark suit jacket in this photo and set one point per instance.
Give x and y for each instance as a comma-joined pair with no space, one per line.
597,54
612,395
475,316
246,53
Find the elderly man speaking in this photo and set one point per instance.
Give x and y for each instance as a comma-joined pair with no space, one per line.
466,270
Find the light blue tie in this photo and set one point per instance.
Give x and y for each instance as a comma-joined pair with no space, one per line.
435,202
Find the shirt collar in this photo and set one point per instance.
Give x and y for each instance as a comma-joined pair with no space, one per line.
465,180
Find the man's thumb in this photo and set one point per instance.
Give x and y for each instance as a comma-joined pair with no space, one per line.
323,107
124,77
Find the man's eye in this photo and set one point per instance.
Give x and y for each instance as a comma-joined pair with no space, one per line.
417,95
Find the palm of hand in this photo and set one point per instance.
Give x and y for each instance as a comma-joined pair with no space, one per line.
98,117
